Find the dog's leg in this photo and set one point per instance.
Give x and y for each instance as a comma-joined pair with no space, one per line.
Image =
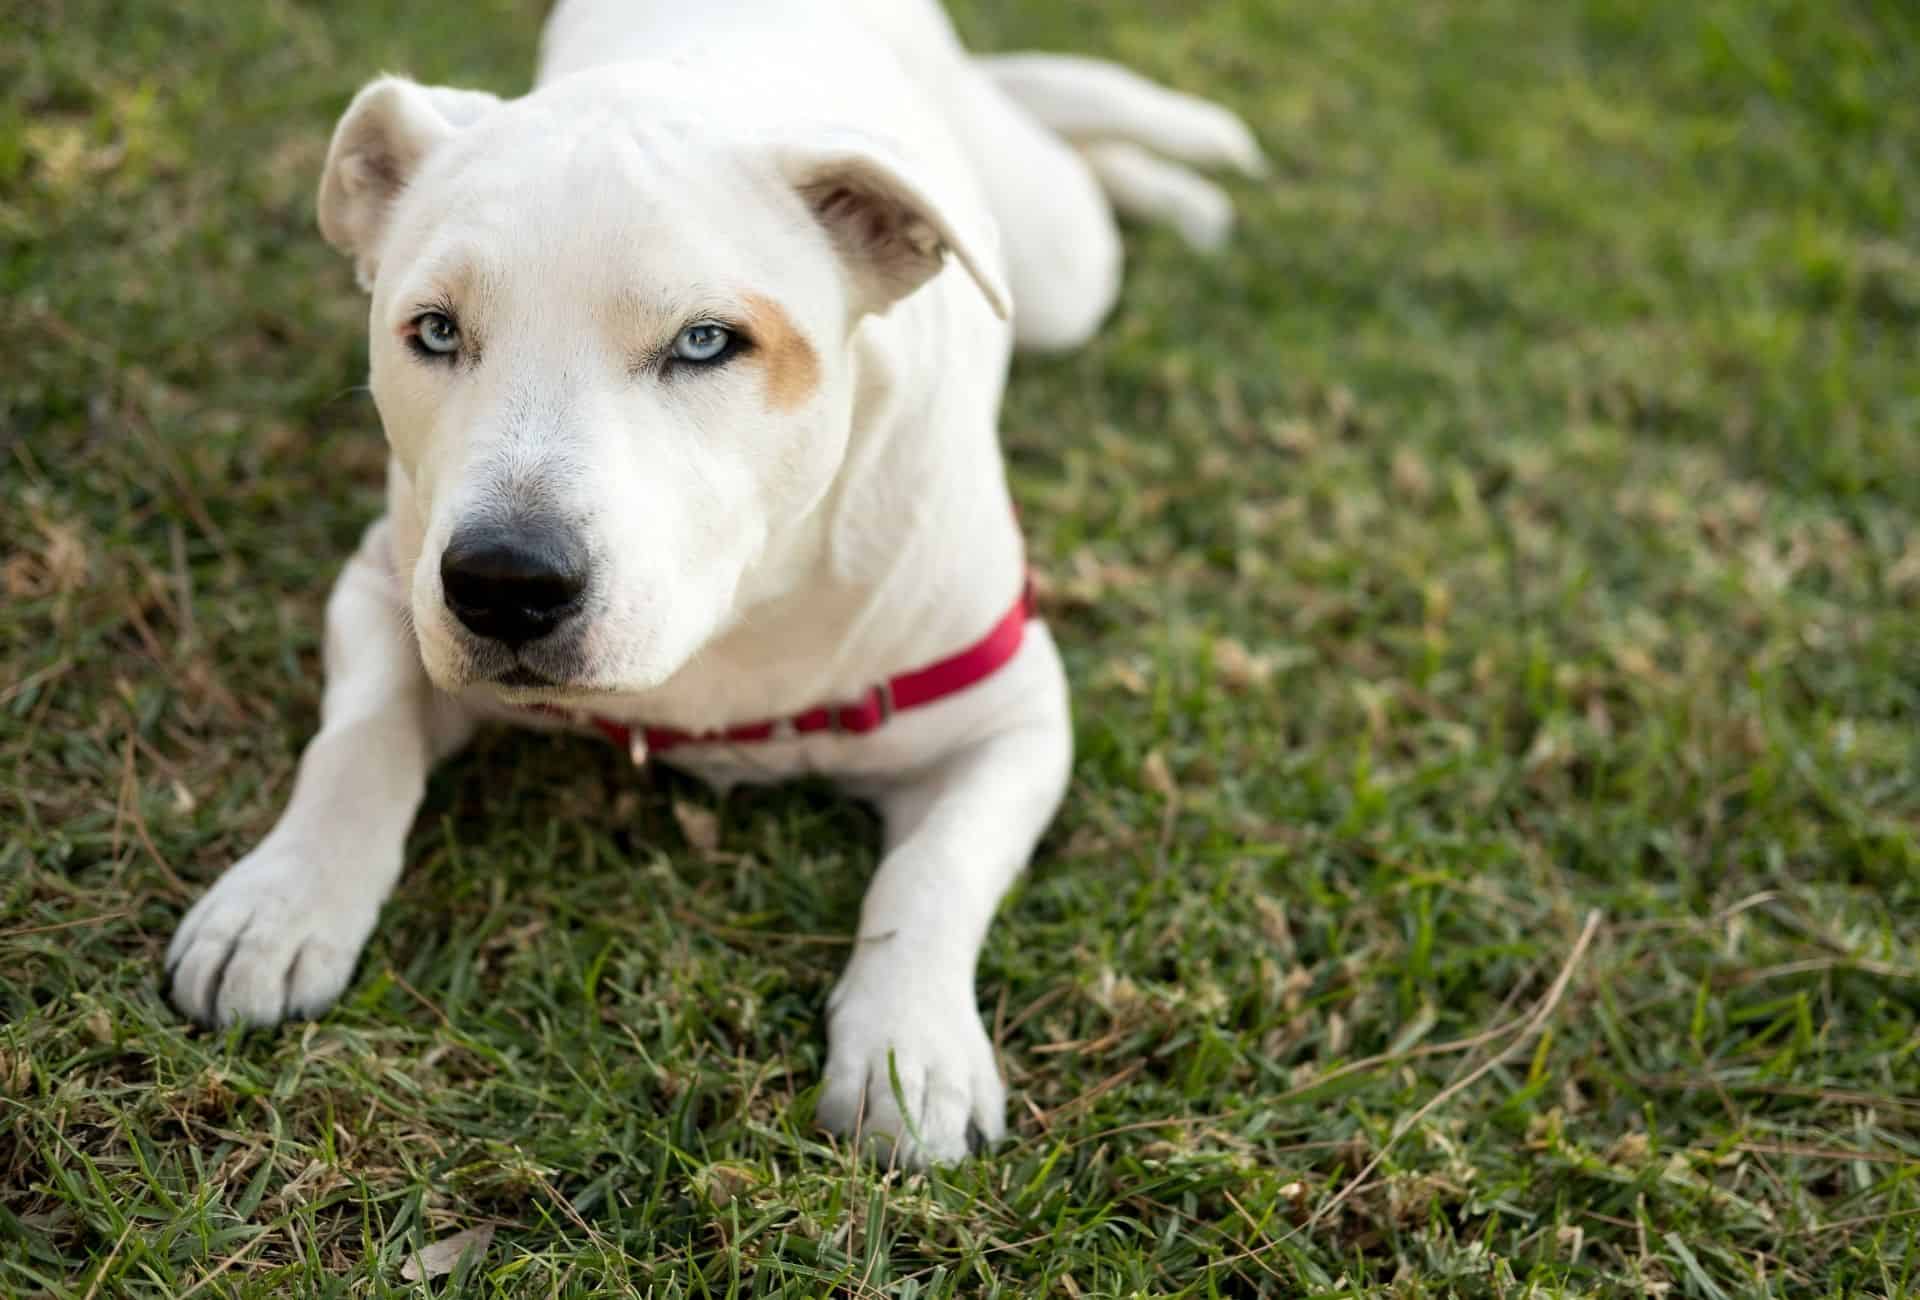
1083,99
902,1025
279,933
1061,245
1105,138
1141,140
1153,189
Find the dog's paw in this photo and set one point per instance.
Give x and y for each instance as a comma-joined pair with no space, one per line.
262,946
889,1042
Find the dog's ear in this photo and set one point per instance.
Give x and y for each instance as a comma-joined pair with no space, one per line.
893,224
384,136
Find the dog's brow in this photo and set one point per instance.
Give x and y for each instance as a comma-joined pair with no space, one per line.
457,276
793,368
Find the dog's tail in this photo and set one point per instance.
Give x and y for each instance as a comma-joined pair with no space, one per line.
1141,139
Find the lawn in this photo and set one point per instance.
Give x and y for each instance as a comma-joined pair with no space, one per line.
1492,594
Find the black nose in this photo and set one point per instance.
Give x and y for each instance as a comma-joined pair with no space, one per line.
513,583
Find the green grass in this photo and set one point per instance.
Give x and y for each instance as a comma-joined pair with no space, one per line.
1519,523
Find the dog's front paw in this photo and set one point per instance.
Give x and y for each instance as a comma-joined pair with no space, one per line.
910,1070
265,945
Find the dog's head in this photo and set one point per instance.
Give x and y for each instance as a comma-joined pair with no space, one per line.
610,346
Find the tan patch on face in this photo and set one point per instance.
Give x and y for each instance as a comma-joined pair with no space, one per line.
793,371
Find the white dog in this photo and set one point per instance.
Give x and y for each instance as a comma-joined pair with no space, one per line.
693,443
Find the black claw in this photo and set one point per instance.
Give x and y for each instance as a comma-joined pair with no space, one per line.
976,1140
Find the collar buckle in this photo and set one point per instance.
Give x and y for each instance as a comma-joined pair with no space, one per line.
874,709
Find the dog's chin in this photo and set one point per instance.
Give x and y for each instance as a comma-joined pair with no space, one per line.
525,687
570,673
522,684
573,698
520,677
460,664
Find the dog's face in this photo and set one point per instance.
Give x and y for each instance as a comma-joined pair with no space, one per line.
609,345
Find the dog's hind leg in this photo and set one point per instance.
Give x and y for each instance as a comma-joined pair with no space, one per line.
1057,230
1087,101
1062,142
1153,189
1142,140
279,933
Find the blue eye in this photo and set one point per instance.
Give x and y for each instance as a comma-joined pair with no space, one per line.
704,343
436,333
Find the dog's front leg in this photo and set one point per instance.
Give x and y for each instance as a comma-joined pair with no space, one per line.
902,1025
279,933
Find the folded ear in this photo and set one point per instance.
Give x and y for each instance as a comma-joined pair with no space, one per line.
384,136
891,223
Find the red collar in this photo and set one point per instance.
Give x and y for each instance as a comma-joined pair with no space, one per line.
907,691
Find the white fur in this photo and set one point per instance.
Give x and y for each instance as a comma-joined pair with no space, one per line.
750,561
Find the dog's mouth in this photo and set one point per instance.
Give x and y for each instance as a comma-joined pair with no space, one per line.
524,678
539,669
520,684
